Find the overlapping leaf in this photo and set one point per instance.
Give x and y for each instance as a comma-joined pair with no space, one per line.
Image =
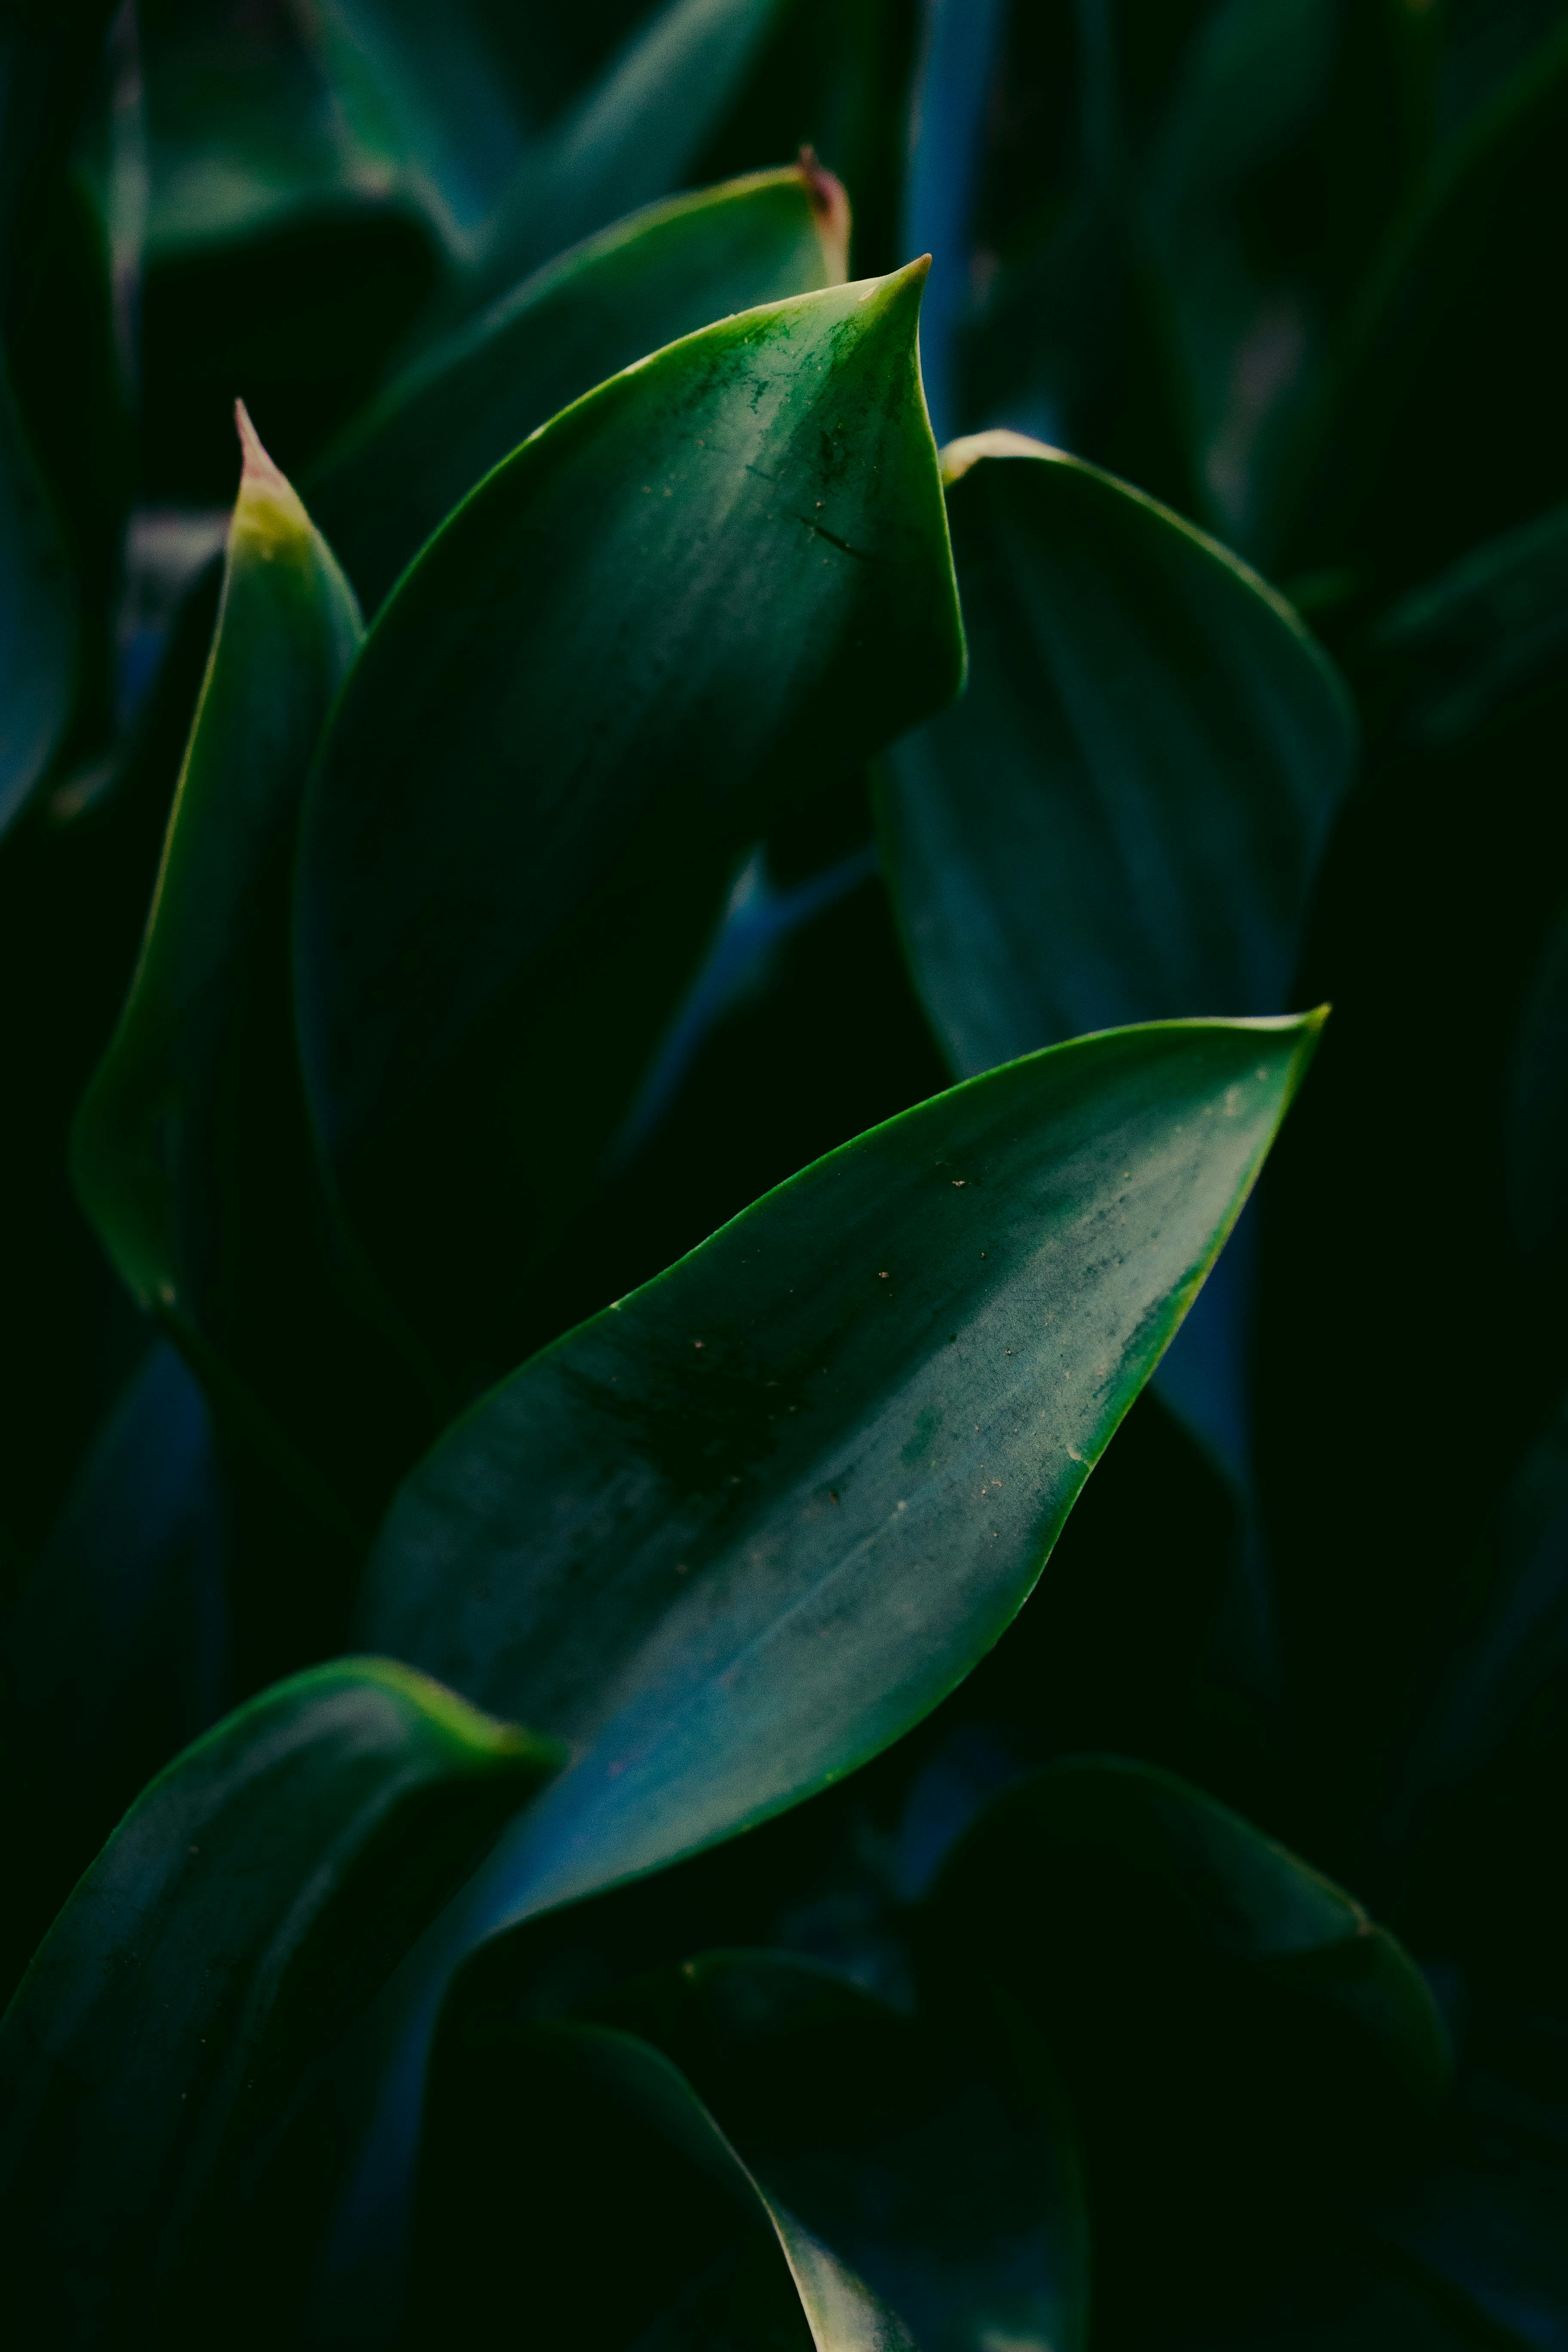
1204,1881
635,2209
845,1431
625,143
485,971
435,432
242,1913
944,2171
1123,818
1246,2054
192,1152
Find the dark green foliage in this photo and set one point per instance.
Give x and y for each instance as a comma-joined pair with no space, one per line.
491,911
246,1907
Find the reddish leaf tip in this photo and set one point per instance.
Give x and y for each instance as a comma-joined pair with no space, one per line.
258,472
830,201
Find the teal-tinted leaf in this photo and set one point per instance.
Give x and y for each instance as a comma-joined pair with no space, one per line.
622,2202
429,97
240,128
484,974
844,1433
238,1920
114,1654
634,136
953,98
892,1374
1123,818
1202,1878
38,618
944,2172
466,403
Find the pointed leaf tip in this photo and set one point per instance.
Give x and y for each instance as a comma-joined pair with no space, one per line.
259,472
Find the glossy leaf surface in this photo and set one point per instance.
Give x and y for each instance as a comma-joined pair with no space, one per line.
847,1431
635,2208
1123,818
237,1921
423,444
485,973
890,1378
944,2172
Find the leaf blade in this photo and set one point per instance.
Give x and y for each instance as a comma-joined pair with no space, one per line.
608,757
468,403
255,1890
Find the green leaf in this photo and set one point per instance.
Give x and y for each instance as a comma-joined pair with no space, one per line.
238,1919
192,1151
465,405
1123,817
633,137
240,128
943,2170
434,100
1202,1879
1243,2050
844,1432
912,1353
484,974
622,2202
286,631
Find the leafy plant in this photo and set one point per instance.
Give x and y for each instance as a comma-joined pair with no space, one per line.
641,1014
